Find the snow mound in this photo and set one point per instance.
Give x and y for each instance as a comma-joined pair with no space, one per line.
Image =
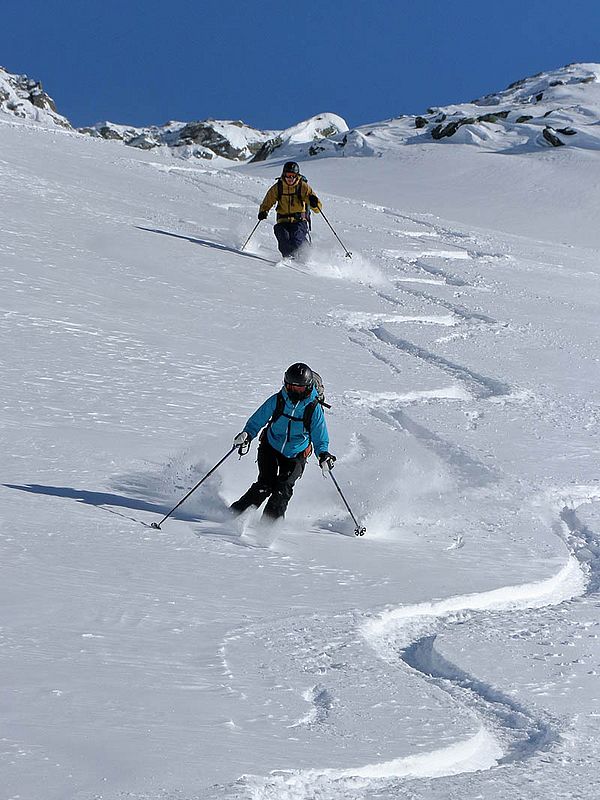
305,138
319,127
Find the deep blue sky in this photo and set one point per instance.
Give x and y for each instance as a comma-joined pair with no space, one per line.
273,63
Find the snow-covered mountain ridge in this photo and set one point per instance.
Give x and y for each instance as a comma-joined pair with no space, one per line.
555,108
209,139
229,139
551,109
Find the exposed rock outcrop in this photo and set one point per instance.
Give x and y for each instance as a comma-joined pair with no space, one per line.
25,98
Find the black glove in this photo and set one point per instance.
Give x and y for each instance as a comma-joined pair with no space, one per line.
242,442
262,215
326,461
313,201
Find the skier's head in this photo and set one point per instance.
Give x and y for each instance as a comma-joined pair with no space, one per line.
290,172
298,381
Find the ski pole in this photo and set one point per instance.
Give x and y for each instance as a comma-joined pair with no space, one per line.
191,491
359,530
348,253
251,235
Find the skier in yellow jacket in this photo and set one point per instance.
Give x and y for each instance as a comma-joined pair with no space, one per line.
295,199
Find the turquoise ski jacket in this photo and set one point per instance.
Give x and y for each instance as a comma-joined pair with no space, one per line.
289,436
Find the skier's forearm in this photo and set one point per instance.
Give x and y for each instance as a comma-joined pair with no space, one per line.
269,200
260,417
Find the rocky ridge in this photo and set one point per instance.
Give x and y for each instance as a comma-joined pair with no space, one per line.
232,140
544,108
229,139
550,109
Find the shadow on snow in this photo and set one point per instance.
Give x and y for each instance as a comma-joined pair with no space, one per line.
207,243
102,500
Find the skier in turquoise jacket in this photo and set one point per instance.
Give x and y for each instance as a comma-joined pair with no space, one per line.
295,425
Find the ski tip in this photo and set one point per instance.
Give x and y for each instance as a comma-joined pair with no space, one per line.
155,525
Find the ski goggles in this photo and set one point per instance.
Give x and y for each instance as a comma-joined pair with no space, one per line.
295,387
290,175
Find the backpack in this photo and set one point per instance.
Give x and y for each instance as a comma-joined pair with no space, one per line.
299,193
320,389
308,411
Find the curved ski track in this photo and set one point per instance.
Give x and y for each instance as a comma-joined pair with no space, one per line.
405,637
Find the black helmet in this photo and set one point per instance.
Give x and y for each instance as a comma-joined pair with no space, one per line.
290,166
298,381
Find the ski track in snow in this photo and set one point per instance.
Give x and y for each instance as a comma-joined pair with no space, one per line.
459,312
481,386
469,471
509,731
405,637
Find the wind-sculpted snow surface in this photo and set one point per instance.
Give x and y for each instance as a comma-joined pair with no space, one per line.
453,651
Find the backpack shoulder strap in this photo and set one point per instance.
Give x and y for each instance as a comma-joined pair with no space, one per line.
279,407
299,186
308,414
278,412
302,180
279,189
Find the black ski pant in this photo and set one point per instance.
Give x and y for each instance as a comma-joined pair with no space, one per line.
276,478
290,236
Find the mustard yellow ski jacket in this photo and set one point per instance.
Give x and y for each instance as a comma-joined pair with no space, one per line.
292,204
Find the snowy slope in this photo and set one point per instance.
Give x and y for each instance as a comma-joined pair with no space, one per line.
453,651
